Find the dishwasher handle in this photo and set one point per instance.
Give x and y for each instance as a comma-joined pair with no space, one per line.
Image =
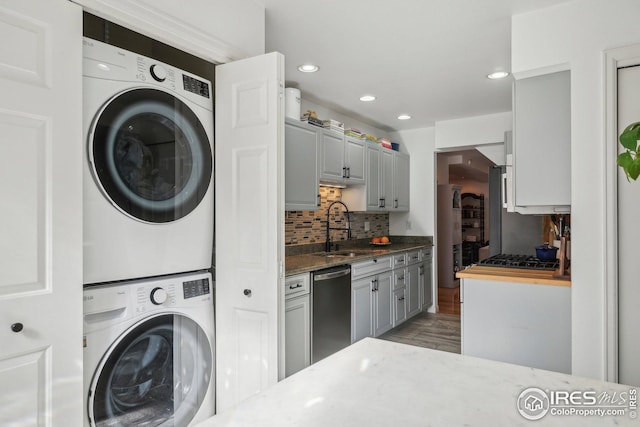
332,274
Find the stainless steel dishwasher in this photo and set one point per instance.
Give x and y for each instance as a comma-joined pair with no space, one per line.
331,311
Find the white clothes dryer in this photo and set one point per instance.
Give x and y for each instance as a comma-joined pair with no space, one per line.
149,352
148,191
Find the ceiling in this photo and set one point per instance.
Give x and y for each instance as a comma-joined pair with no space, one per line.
467,165
425,58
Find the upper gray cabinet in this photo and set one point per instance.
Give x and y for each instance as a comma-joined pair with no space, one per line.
342,159
301,180
354,156
332,168
542,144
401,181
386,186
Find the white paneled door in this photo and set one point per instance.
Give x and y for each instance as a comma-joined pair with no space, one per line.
40,213
628,238
249,178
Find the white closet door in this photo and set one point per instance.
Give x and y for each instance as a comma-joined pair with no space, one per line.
40,213
628,238
249,180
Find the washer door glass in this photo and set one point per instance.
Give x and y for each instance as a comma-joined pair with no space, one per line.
157,374
151,155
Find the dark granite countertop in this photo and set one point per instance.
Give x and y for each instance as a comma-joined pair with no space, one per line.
305,262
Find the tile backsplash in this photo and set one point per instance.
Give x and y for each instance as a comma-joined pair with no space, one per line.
307,227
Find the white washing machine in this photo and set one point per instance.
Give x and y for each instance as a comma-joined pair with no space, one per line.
149,352
148,173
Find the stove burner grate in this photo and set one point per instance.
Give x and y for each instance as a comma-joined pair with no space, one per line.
520,261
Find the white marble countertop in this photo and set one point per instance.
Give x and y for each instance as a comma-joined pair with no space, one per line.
381,383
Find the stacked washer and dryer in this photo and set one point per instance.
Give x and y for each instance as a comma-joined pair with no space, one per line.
148,238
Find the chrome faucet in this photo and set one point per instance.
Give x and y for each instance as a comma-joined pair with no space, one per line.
327,244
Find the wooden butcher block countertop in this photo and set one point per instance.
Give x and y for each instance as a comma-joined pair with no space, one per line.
519,275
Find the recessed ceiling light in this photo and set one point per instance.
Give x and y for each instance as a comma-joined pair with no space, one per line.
367,98
308,68
498,75
404,117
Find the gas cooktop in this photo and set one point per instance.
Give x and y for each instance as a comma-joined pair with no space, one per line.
521,261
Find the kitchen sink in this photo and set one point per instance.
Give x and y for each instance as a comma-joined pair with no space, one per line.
339,254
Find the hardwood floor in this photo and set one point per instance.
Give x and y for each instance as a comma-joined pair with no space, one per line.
439,331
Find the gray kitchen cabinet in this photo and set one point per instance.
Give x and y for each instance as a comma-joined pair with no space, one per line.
425,286
297,323
297,334
399,306
386,187
382,312
361,308
371,309
355,160
412,283
386,179
541,175
400,279
331,156
400,181
373,180
301,166
371,298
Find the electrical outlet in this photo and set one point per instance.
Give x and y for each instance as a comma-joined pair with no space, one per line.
367,227
408,225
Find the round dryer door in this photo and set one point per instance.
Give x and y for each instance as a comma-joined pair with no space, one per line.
156,374
151,155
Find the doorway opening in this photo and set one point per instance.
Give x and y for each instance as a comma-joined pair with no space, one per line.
462,219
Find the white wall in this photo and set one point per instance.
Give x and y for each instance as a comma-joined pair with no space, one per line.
577,33
419,144
478,130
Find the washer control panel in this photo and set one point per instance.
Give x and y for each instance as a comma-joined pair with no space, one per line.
196,288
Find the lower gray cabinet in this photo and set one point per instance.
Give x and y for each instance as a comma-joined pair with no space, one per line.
297,334
425,287
297,323
371,306
413,289
399,307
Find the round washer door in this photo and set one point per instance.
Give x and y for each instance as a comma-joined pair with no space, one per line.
150,155
156,374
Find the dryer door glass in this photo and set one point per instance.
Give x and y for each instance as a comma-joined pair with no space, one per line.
151,155
157,374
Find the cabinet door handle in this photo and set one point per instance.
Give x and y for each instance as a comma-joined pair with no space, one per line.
299,285
344,172
17,327
247,292
401,299
395,203
400,278
349,172
319,200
